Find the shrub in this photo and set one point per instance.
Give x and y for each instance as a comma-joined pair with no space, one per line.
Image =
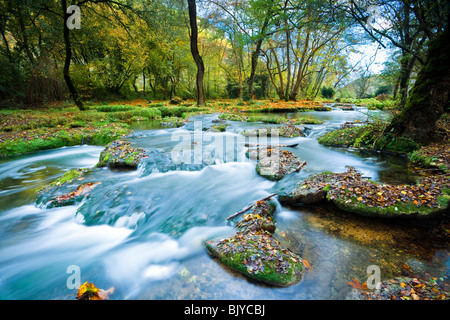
114,108
327,92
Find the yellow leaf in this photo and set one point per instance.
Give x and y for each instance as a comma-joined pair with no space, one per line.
88,291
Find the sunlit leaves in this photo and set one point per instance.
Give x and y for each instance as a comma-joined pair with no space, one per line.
88,291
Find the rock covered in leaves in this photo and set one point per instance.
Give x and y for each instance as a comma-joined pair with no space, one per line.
120,155
435,155
310,190
283,131
350,192
254,251
273,163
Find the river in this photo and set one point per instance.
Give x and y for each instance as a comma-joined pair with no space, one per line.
142,231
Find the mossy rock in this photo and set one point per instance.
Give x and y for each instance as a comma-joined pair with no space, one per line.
120,155
322,108
73,197
399,210
274,164
258,256
232,117
352,193
217,128
282,131
65,178
254,252
66,190
310,191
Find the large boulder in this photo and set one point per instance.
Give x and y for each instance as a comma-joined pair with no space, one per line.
254,252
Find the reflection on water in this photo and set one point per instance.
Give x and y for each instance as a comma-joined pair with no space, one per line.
143,231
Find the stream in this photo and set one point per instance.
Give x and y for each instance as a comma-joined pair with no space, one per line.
142,231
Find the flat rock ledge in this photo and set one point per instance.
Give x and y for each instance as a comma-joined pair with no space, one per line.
254,252
121,156
350,192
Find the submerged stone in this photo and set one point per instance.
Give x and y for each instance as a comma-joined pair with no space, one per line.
254,251
69,189
73,197
120,155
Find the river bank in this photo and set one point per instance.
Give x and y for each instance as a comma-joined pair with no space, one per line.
143,231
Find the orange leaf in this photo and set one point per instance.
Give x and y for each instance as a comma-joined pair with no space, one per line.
358,285
306,264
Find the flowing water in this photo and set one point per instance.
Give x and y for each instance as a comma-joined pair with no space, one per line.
142,231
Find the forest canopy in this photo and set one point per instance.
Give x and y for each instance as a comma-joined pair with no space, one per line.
261,49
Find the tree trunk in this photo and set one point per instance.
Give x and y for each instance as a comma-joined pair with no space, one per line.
406,67
254,64
257,52
301,70
195,54
67,60
429,98
288,47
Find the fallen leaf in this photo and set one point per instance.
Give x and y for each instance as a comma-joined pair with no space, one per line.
306,264
358,285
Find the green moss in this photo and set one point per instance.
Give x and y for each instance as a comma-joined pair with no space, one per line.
114,108
177,111
400,209
345,137
370,136
232,117
131,158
